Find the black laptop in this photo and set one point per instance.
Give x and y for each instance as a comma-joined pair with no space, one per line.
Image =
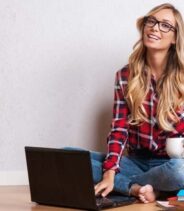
60,177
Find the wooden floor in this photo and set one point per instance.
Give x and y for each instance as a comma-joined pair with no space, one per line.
17,198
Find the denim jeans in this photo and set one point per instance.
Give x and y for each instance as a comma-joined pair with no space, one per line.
162,174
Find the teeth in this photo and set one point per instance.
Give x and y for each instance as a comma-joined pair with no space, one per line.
153,37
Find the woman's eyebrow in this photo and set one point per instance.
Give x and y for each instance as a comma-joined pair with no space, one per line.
165,20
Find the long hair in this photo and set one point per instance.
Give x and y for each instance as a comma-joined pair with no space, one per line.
170,87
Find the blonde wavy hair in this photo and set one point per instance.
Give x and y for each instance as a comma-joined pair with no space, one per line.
170,87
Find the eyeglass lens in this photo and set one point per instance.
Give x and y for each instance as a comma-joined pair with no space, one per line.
163,26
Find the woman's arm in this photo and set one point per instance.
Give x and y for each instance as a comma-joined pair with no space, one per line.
117,137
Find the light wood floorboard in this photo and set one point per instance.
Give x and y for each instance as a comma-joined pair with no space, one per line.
17,198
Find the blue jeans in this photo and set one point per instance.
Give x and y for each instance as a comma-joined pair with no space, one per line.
162,174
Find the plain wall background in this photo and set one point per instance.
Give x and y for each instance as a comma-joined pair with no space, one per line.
58,60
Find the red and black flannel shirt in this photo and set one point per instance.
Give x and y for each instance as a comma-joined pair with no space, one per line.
147,136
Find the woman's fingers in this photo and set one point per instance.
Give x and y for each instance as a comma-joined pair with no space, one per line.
99,188
103,188
106,191
106,185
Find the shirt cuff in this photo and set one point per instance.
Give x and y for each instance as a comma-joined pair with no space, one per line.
110,165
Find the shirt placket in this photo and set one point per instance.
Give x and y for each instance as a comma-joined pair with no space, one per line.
153,144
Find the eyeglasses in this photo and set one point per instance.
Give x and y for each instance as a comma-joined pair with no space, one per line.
163,26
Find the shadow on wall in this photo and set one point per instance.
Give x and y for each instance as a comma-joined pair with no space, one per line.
102,127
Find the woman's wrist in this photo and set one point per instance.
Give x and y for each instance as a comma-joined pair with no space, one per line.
109,174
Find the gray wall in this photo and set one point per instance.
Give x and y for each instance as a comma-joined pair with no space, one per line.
58,60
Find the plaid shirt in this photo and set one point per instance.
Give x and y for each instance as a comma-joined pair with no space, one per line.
147,136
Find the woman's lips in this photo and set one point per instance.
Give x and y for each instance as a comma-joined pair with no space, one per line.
153,36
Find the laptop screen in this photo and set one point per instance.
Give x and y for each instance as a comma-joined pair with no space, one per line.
60,177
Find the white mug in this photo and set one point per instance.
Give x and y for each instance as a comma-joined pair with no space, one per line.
175,147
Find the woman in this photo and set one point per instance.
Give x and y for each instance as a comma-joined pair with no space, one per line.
148,108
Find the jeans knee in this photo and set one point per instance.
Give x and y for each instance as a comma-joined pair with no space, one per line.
177,168
96,170
98,156
176,163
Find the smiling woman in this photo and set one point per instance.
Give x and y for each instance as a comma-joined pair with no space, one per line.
148,108
161,52
159,34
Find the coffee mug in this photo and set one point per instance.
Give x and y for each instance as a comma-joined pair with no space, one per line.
175,147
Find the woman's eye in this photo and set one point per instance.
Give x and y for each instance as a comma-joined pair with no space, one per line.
151,21
165,25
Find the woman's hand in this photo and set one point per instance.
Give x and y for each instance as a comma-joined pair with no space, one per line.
106,185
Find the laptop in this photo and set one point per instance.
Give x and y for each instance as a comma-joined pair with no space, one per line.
60,177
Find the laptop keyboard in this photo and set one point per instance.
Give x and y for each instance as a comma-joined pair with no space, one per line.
103,202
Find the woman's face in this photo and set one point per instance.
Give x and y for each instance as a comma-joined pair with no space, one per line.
156,39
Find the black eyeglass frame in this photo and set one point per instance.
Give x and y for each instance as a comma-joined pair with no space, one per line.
171,28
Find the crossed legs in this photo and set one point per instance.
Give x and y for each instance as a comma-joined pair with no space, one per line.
145,178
